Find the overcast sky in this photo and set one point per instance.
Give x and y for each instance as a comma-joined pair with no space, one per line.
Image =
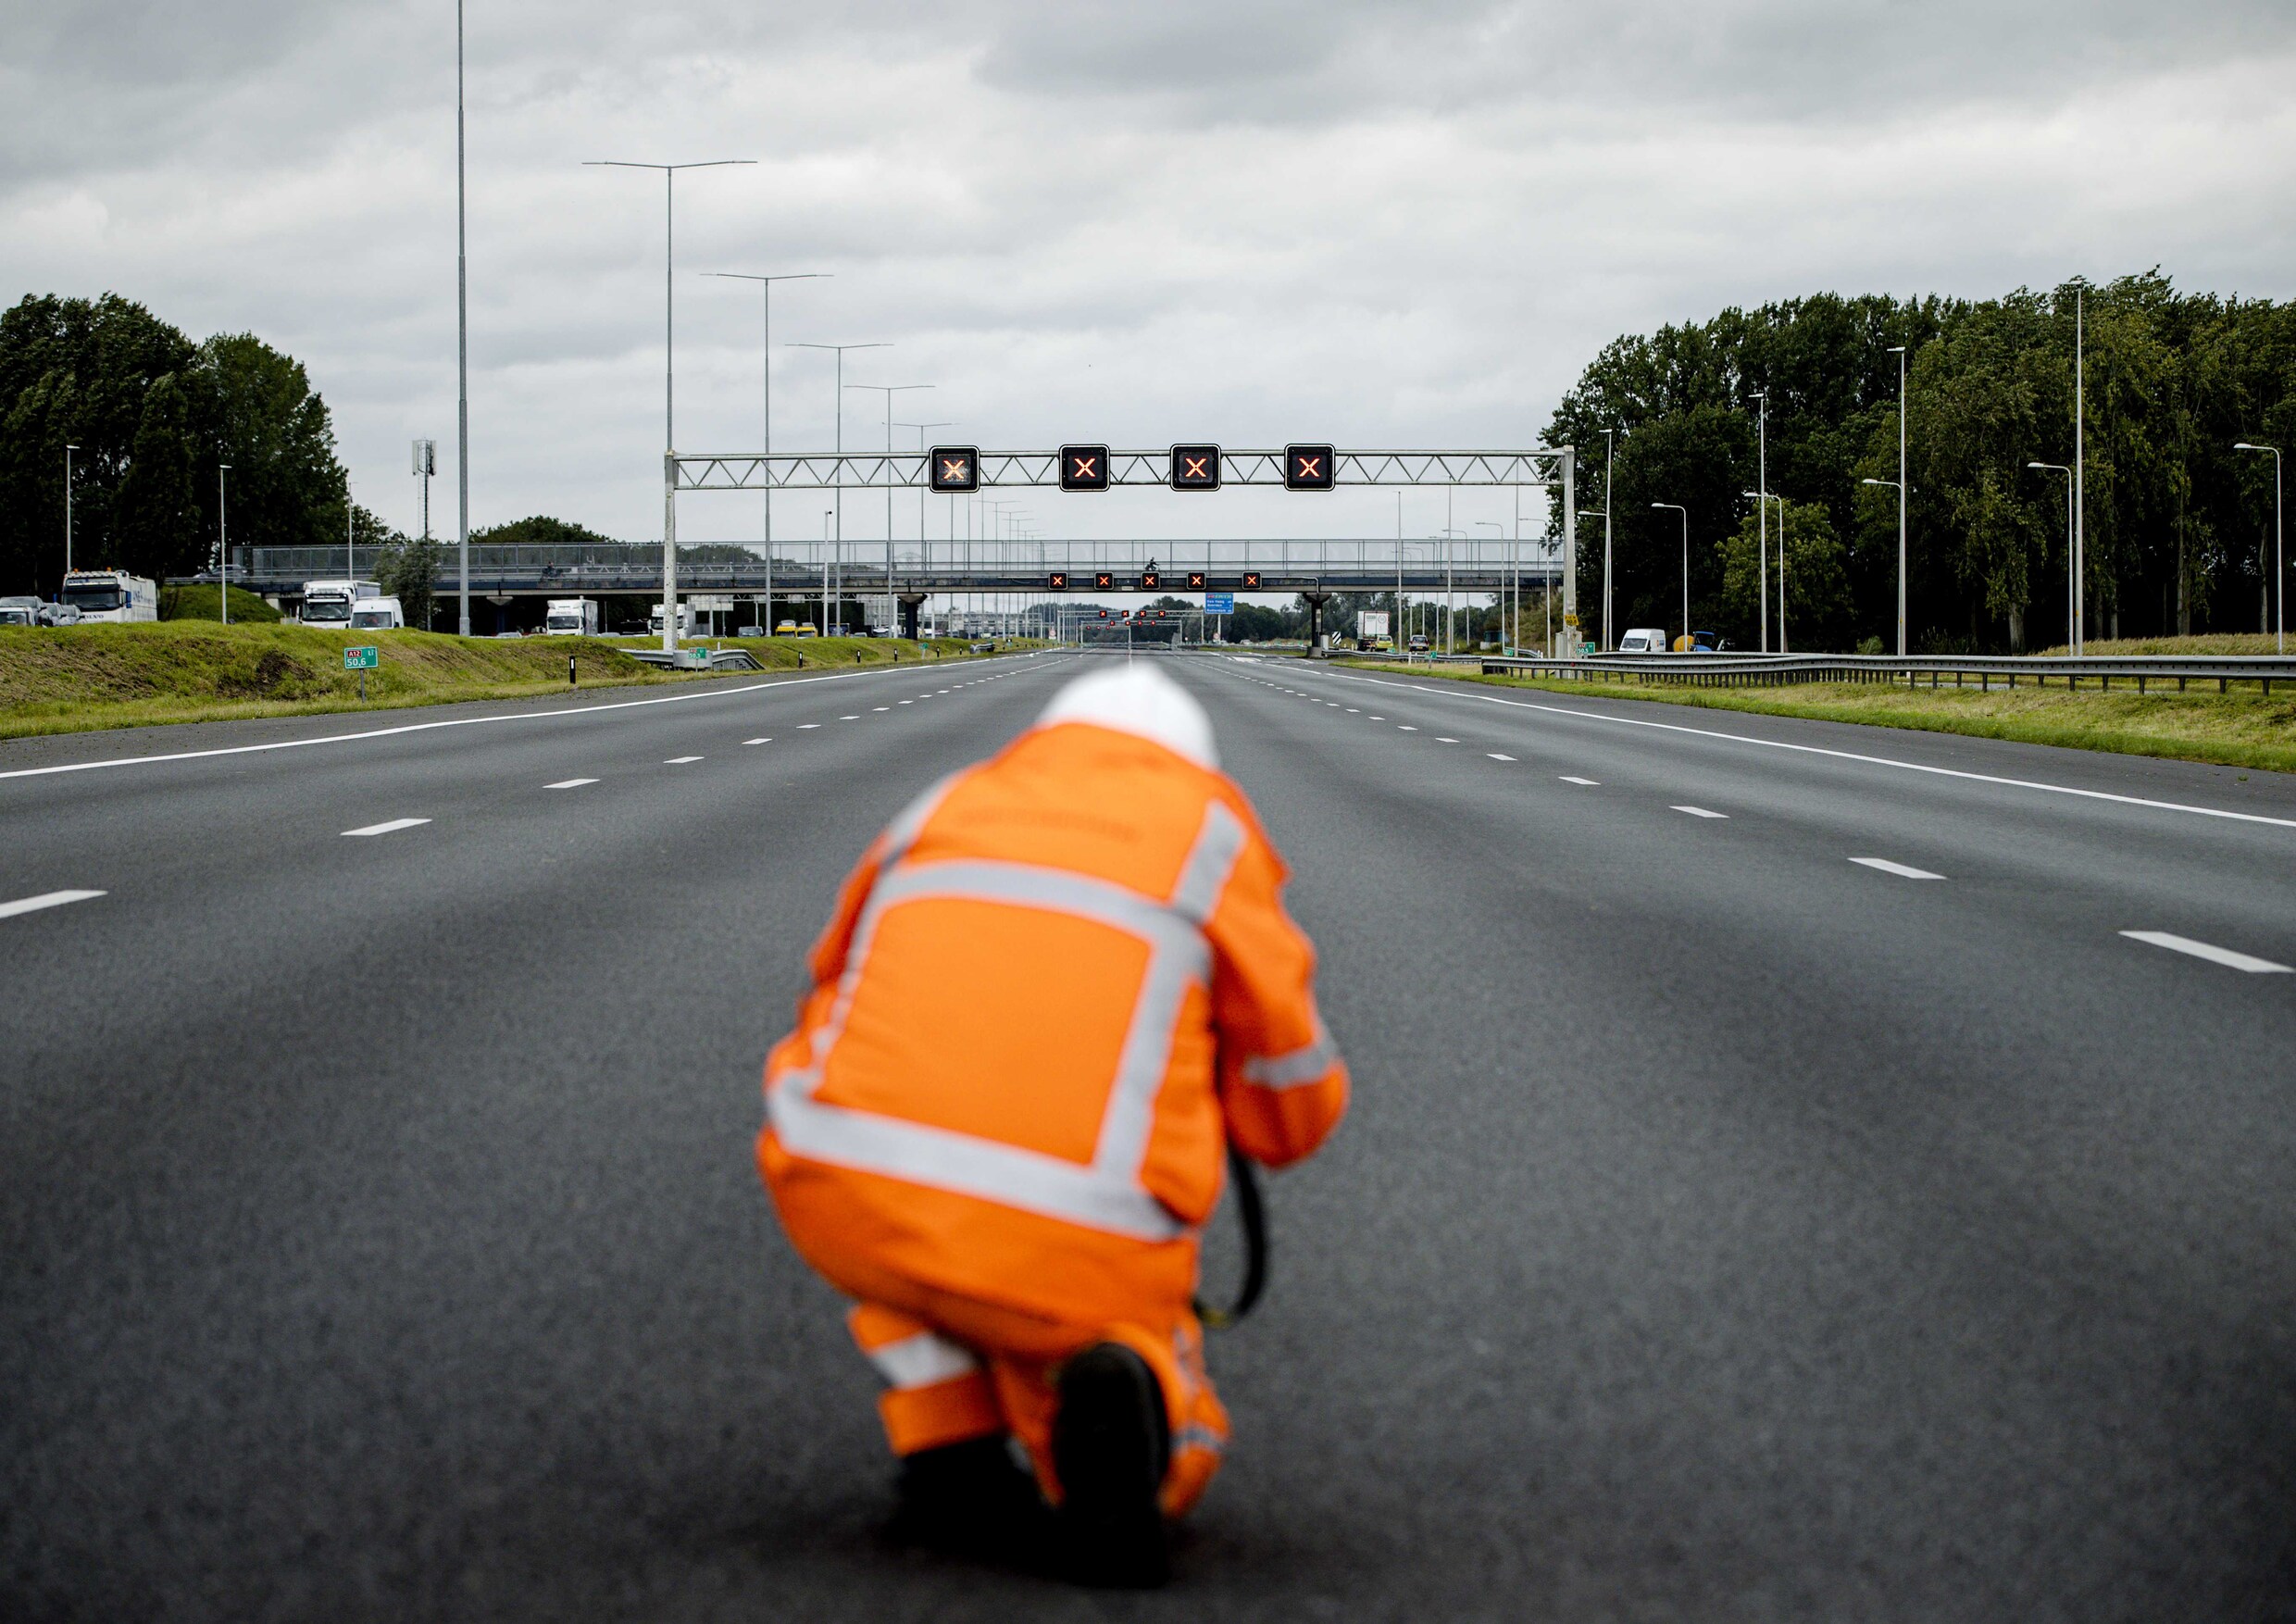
1242,220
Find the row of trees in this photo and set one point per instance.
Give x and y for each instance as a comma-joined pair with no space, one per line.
153,417
2178,525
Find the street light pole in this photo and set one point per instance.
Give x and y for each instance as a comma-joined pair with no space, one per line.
924,547
765,289
1496,597
223,546
670,373
1686,564
462,345
838,499
1899,351
2279,562
1762,516
2080,482
1610,461
2072,599
67,511
889,390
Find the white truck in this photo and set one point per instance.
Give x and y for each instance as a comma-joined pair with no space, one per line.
19,611
377,614
685,622
328,603
109,595
576,617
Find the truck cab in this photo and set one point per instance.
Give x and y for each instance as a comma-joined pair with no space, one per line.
110,595
578,617
328,603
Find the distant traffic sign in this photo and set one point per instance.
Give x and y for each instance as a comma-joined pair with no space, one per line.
1196,581
1251,580
1195,468
1219,603
1309,468
362,659
1057,582
1149,580
956,467
1104,580
1084,468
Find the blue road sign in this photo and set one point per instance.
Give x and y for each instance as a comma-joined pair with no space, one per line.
1219,603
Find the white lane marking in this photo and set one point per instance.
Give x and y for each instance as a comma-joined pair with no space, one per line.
1701,812
1405,727
767,741
905,701
679,760
801,726
47,899
1496,756
394,826
1900,869
1592,783
881,708
1441,740
570,783
2215,954
1376,719
460,721
1353,711
1982,778
849,719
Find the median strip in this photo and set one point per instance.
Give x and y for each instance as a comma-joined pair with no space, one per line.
2209,951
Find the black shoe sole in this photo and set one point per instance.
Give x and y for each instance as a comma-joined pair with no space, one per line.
1110,1448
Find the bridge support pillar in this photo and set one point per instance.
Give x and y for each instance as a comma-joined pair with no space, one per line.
911,603
1315,599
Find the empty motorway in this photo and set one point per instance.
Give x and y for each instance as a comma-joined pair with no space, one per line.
1796,1171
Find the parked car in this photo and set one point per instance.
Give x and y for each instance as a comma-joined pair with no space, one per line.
19,611
1419,643
749,631
1644,640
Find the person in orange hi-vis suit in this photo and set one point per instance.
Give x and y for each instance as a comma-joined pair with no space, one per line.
1053,992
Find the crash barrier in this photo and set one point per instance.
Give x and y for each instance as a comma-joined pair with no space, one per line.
696,659
1763,670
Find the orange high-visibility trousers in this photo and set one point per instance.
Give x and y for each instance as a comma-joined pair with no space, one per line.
1002,1379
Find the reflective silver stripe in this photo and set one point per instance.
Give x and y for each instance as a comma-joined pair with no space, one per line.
1197,1437
1007,1174
922,1360
1294,1067
1219,841
1108,1193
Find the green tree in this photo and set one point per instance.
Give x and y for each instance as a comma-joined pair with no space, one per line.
1810,599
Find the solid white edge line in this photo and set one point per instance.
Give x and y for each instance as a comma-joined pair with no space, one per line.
2209,951
391,828
463,722
1982,778
1902,870
570,783
47,899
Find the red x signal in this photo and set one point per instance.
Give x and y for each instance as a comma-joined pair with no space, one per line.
956,467
1251,580
1057,582
1309,468
1104,580
1195,468
1084,468
1195,581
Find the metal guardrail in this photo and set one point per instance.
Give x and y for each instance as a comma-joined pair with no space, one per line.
1755,670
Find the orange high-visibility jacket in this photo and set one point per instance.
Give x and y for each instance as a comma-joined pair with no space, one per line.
1051,992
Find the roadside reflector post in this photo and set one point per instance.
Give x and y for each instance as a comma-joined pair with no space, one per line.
569,670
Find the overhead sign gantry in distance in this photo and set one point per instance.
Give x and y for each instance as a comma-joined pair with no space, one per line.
955,469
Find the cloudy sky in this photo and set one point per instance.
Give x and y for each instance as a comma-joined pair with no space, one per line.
1242,220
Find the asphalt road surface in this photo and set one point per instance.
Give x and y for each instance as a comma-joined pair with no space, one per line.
1779,1185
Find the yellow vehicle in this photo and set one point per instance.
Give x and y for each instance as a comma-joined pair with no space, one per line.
795,629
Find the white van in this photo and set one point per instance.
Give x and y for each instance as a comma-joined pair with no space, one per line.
19,611
685,622
377,614
1644,640
109,595
572,617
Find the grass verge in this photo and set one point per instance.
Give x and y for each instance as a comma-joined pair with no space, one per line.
2229,729
75,678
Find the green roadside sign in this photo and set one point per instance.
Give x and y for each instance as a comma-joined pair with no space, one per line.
362,659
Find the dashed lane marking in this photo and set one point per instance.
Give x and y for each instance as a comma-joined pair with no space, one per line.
570,783
2207,950
391,828
1592,783
1405,727
47,899
757,741
804,725
1900,869
1441,740
1496,756
679,760
1701,812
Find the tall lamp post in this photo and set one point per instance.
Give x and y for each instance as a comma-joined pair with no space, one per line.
1899,351
2279,581
462,348
1685,561
1610,459
670,373
1780,501
67,513
765,290
924,547
2072,590
1497,598
1762,516
838,498
2080,478
223,546
893,612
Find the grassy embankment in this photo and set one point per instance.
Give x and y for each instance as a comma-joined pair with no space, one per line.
71,679
2243,728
